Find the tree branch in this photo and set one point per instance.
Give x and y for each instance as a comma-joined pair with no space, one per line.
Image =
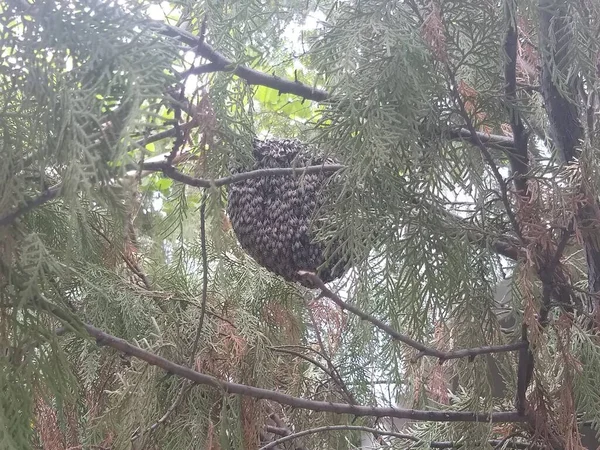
176,175
563,114
497,443
490,140
524,372
54,191
500,246
186,386
219,62
519,160
252,76
306,358
299,434
121,345
566,130
204,277
484,151
44,197
424,349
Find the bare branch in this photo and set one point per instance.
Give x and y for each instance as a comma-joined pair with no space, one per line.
281,431
424,349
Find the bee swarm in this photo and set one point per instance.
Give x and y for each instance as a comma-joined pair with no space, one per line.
271,215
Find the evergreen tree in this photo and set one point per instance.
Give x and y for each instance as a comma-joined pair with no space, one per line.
453,156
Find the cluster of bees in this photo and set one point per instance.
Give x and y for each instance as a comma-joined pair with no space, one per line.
272,215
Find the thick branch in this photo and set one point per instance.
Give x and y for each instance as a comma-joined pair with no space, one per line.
500,246
524,372
424,349
103,338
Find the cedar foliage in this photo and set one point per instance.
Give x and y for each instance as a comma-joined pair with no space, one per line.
468,131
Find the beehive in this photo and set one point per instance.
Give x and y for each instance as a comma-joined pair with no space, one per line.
271,216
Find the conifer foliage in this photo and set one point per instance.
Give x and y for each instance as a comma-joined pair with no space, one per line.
318,224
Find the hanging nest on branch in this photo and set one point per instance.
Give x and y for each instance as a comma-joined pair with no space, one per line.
271,216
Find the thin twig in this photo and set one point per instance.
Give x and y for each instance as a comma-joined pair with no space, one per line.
519,160
178,399
306,358
492,442
204,279
299,434
423,349
505,439
496,443
280,427
186,386
333,372
132,265
179,133
176,175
